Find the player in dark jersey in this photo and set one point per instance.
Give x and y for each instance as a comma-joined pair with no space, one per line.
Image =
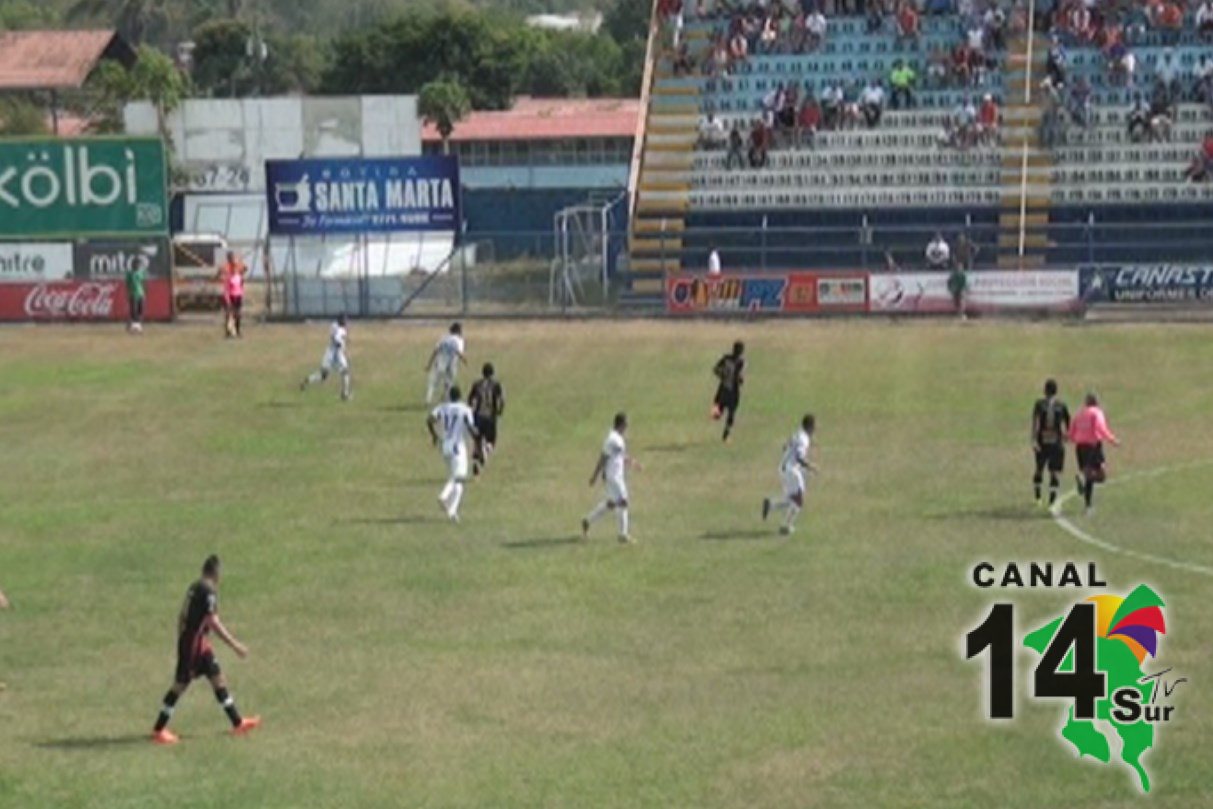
195,657
487,401
1050,425
730,370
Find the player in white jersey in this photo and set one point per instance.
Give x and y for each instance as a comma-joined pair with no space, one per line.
792,471
458,429
335,359
444,363
612,465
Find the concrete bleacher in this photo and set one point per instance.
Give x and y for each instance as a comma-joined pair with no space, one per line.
1091,187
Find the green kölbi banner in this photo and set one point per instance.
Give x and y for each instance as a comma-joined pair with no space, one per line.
75,187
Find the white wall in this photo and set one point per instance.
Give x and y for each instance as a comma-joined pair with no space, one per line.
222,144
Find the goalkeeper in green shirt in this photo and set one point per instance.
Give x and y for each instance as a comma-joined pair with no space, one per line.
136,292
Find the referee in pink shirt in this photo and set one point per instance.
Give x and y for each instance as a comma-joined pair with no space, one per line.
1088,431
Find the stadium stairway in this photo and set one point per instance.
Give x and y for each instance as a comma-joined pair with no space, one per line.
1024,201
671,129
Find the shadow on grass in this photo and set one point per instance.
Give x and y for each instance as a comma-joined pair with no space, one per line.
404,408
667,448
728,536
999,513
546,542
94,742
405,519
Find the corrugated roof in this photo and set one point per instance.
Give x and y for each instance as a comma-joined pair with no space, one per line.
51,60
548,119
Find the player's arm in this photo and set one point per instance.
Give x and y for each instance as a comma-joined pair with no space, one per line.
430,421
433,356
598,468
1102,432
1032,430
470,422
631,462
227,637
500,401
718,368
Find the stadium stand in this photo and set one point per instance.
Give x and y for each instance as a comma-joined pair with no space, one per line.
1078,141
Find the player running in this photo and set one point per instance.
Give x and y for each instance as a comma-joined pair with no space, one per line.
195,657
730,370
487,401
335,359
1050,425
612,464
444,363
792,470
457,425
1088,431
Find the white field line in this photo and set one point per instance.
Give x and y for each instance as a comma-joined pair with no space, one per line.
1065,524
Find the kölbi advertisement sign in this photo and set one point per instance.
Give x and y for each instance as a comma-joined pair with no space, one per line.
77,187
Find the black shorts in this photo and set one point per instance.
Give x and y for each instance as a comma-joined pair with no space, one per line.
1051,455
1090,456
190,667
487,429
727,399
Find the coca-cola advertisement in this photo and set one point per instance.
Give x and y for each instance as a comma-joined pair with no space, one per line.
100,300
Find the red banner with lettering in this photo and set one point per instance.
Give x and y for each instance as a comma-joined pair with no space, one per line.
82,300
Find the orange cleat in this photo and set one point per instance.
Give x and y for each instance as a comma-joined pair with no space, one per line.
165,737
247,724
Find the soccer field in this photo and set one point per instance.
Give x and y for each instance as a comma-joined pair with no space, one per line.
401,661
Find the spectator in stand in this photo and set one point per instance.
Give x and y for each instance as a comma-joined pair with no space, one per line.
1170,19
1166,71
1204,20
714,261
875,16
1055,64
758,145
815,29
1162,112
1202,161
962,71
831,106
808,122
712,135
937,68
682,61
1139,119
871,103
938,253
995,23
1122,64
902,79
1203,91
736,147
739,49
987,120
851,114
769,36
785,116
909,27
1079,104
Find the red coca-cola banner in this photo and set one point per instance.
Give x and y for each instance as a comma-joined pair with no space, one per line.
82,300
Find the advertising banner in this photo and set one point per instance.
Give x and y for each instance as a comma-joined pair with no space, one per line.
1153,283
35,261
992,290
112,259
74,187
770,293
82,300
362,195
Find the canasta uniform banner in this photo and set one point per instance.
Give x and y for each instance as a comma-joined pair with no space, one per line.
362,195
993,290
1152,283
771,293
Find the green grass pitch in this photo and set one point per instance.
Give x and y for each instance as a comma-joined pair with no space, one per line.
400,661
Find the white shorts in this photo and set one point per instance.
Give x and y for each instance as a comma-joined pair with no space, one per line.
457,464
335,360
616,490
793,481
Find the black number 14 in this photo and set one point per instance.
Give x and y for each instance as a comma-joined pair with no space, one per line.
1082,683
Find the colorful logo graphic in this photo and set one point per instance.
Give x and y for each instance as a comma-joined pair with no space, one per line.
1093,656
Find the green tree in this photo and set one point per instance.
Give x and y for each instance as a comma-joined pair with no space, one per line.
221,65
227,61
17,15
443,103
628,20
138,21
153,78
20,116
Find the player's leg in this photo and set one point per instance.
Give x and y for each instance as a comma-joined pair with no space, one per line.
1038,476
237,311
606,504
347,381
794,493
1057,464
717,403
459,475
160,731
617,491
444,496
731,405
227,701
431,384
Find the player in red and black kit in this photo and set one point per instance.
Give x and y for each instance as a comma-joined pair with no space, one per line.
730,370
1050,425
487,401
195,657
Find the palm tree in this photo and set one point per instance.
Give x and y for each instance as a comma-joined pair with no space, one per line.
443,102
135,20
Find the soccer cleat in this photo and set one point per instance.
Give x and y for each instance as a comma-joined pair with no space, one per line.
247,724
585,529
766,507
164,737
785,530
625,539
453,517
